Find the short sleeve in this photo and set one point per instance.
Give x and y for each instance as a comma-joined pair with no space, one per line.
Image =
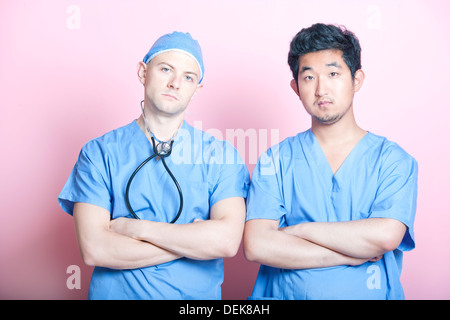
265,199
396,196
86,182
232,178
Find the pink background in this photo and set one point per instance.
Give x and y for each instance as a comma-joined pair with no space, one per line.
64,81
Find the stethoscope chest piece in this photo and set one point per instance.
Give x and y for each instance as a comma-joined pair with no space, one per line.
163,149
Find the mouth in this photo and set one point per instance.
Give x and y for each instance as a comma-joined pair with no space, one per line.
170,96
324,103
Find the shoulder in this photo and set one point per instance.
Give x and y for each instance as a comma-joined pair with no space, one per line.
204,137
278,156
288,147
213,149
390,154
110,141
388,149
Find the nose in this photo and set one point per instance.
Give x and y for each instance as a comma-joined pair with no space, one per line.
321,87
174,82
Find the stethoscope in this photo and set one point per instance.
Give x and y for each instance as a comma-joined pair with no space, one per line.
162,149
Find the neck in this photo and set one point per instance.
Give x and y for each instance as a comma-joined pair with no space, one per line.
163,128
344,130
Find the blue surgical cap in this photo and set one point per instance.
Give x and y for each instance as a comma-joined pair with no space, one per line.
177,41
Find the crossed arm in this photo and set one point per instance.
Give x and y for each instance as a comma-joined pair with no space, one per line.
129,243
321,244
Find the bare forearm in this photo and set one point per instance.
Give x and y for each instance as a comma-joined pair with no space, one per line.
220,236
282,250
201,240
100,246
365,238
120,252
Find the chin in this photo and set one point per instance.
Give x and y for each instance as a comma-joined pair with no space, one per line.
328,120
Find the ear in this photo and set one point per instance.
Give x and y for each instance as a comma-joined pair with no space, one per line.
359,80
141,72
199,87
294,87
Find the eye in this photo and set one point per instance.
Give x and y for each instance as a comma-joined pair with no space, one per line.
334,74
308,78
189,78
165,69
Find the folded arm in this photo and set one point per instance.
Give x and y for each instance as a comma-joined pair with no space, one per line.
100,246
220,236
364,238
265,243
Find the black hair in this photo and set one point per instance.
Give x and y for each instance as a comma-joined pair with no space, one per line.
325,37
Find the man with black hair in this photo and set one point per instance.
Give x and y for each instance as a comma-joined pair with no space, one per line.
330,211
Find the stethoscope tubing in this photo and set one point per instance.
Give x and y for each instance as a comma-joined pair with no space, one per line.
162,156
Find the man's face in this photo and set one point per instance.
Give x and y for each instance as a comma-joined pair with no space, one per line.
325,85
171,80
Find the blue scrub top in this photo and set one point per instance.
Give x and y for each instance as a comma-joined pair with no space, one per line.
293,182
207,170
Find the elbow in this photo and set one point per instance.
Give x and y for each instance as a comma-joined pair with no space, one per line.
90,256
250,255
230,252
392,235
251,251
88,259
228,242
389,243
230,248
256,243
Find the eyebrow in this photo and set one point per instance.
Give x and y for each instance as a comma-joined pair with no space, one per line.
305,69
332,64
169,65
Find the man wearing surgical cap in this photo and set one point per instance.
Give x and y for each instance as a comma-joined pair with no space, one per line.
150,257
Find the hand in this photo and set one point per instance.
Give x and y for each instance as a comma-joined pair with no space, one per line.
376,258
359,261
125,226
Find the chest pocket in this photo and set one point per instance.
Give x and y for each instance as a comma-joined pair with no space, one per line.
196,196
